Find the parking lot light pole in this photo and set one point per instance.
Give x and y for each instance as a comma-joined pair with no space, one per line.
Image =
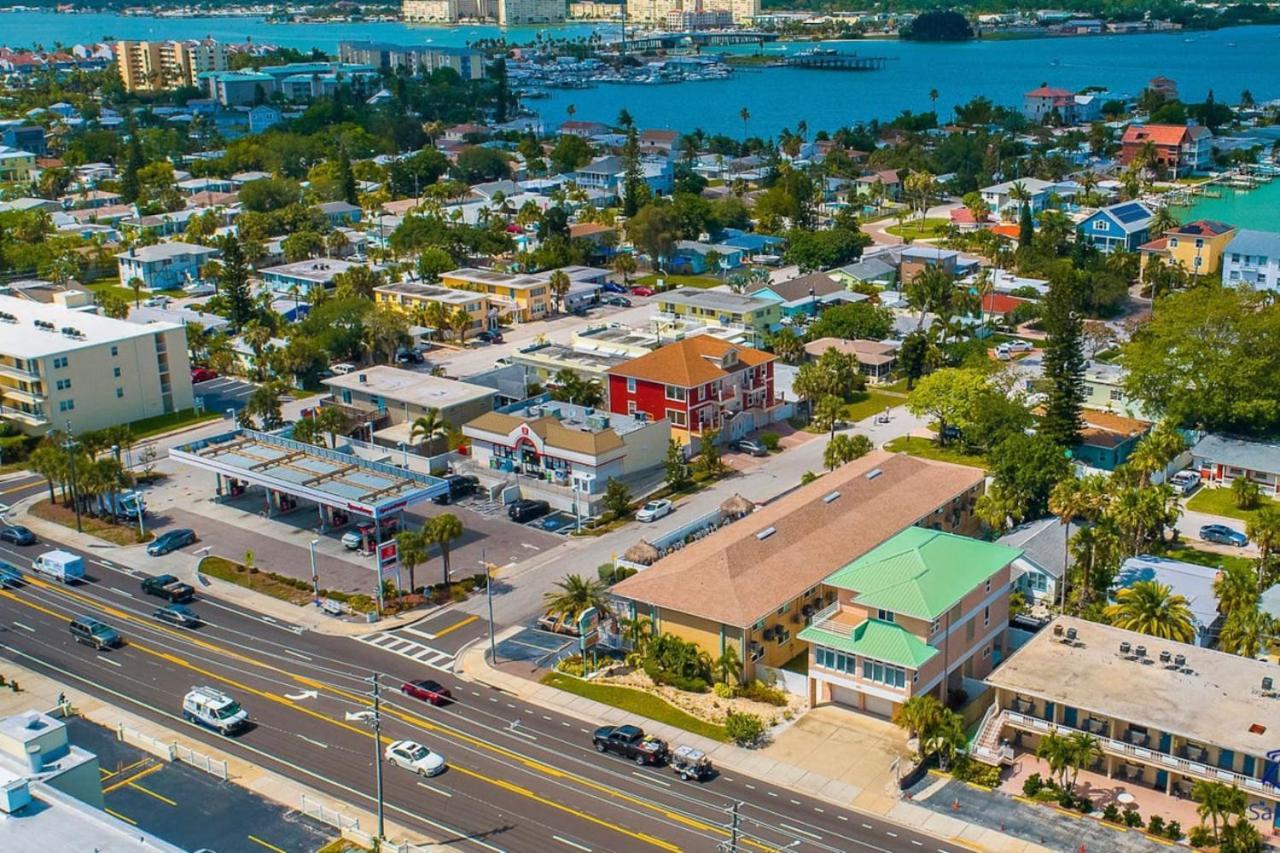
377,752
70,446
489,569
315,578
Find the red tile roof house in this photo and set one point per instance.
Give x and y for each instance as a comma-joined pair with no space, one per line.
1182,149
1039,104
698,383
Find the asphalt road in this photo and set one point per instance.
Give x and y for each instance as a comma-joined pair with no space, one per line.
519,778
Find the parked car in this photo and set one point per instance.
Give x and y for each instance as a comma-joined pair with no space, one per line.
460,485
613,287
91,632
352,540
415,757
171,540
490,337
427,690
1184,482
630,742
1003,353
203,374
177,614
617,301
408,356
16,534
168,587
1020,346
1223,535
654,510
342,368
527,510
751,448
642,291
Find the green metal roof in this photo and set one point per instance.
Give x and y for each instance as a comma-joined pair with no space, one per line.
883,641
920,572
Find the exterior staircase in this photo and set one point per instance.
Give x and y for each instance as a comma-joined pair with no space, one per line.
986,746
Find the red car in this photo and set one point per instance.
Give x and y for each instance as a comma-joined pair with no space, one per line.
642,291
427,690
203,374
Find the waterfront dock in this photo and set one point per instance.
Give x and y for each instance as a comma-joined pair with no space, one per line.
833,61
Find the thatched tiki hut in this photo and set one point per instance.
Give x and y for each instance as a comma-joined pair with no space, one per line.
642,553
736,507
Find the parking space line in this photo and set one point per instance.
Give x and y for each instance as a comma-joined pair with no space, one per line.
150,793
456,625
258,840
119,816
155,768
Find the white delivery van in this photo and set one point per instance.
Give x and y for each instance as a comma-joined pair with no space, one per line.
62,566
215,709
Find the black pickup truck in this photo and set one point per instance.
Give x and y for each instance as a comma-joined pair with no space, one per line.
630,742
169,587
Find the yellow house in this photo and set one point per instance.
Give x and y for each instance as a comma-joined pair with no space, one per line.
756,584
523,297
410,296
1196,246
16,165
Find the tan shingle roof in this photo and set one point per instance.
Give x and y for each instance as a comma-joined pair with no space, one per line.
551,431
689,362
735,577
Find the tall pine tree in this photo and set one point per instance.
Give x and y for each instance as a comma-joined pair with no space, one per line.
346,177
1064,364
234,283
130,188
1026,227
634,188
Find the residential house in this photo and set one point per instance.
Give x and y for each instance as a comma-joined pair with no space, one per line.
876,359
1165,715
1189,580
1221,459
914,616
880,270
1181,149
301,276
16,165
755,584
884,183
1197,247
263,117
691,257
752,244
698,383
1126,225
585,129
566,453
165,266
340,213
1106,440
1037,571
916,259
1045,102
1104,391
755,314
414,296
519,296
1002,202
26,137
1252,258
807,295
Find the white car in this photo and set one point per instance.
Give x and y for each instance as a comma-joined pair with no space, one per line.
1184,482
654,510
415,757
342,368
1020,346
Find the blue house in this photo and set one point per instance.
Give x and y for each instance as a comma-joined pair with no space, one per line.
165,266
690,257
752,244
340,213
262,117
807,295
1126,225
1107,440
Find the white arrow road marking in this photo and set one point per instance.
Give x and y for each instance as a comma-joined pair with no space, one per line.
298,697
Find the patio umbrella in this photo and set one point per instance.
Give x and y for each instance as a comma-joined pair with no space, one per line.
737,505
641,552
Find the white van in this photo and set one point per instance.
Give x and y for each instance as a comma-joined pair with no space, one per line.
62,566
215,709
342,368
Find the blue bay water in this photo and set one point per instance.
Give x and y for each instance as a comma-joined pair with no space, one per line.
1226,61
1258,208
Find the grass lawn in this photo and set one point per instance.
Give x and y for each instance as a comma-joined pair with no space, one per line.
636,702
868,403
233,572
1221,501
927,449
702,281
1187,554
164,423
900,386
918,229
112,285
119,534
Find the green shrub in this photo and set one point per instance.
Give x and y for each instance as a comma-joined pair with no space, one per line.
1032,785
671,679
572,665
758,691
1200,836
968,770
770,441
1046,795
1173,830
744,729
623,573
724,691
807,477
607,573
1111,813
1132,818
1155,825
1066,799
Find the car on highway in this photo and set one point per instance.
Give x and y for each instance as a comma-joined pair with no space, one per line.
171,540
177,614
168,587
631,743
415,758
1223,535
91,632
613,287
427,690
527,510
654,510
1185,482
749,447
643,291
203,374
10,576
16,534
210,707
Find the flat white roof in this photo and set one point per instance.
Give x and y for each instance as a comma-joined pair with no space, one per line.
22,338
407,386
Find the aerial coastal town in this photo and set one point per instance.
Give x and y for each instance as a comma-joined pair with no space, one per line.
400,451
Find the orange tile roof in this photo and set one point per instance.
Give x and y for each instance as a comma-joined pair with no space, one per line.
1005,229
690,362
1160,134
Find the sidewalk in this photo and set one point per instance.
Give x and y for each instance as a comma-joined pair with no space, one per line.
473,664
41,693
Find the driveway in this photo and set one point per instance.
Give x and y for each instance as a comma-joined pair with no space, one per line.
1189,525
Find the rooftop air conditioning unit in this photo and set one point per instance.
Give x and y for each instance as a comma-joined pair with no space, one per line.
1126,648
1165,656
1268,685
1180,661
1071,635
1140,652
1058,630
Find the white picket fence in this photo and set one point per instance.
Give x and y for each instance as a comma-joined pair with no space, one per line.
350,828
172,751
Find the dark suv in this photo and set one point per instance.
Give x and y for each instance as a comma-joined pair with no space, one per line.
460,485
527,510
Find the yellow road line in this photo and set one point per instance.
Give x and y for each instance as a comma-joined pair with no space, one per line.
107,774
456,625
135,777
150,793
258,840
116,814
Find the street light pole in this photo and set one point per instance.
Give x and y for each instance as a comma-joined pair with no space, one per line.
315,577
488,594
377,752
70,446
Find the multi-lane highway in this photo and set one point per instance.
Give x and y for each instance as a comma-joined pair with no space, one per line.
520,778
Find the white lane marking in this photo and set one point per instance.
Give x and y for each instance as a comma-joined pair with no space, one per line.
493,699
842,817
867,826
791,828
564,723
547,718
795,802
433,789
752,787
891,834
315,742
123,592
107,563
474,693
572,843
916,843
114,663
509,705
728,778
771,793
24,627
417,633
522,733
297,654
818,810
647,778
584,731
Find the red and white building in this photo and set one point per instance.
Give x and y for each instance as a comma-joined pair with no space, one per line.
698,383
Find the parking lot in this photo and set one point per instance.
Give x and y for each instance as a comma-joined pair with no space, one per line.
218,395
188,807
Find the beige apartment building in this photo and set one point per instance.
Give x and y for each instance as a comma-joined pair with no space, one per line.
515,12
60,366
504,12
430,11
656,11
156,66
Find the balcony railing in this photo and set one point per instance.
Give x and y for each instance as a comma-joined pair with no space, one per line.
824,620
31,418
1155,758
15,372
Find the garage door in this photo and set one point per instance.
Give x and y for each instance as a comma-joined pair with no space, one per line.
853,699
879,706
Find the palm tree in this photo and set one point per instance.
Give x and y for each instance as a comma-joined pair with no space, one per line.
412,547
1150,607
1247,632
1055,750
428,428
574,595
1163,220
460,321
1237,589
1213,798
136,284
918,714
1264,529
624,265
559,284
331,420
745,115
1067,501
728,665
946,738
441,531
826,413
1084,750
843,448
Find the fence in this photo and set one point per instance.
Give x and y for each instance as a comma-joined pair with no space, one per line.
172,751
794,683
350,829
